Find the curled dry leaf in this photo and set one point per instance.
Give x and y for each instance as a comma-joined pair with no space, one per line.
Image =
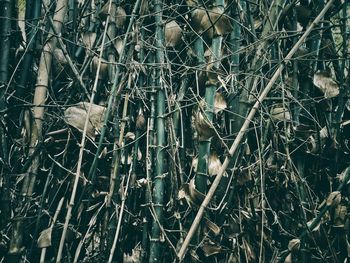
212,226
118,44
211,22
140,121
323,80
44,240
333,199
220,103
129,136
211,249
204,128
76,116
191,194
134,257
294,244
173,34
280,113
214,164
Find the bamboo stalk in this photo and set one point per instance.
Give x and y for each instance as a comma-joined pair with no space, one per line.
38,113
40,94
242,132
158,181
5,32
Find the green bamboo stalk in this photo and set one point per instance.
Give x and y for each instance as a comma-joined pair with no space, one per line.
111,31
5,31
5,43
204,145
33,9
295,106
256,64
150,156
233,98
158,181
344,89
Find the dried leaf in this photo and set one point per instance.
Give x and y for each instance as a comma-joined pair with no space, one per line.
173,34
316,228
118,44
333,198
280,114
191,194
204,128
288,258
294,244
214,164
44,239
211,249
117,14
212,226
248,251
323,80
141,121
76,116
89,39
130,136
134,257
220,103
340,216
204,20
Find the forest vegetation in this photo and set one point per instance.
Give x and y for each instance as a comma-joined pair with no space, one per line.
174,131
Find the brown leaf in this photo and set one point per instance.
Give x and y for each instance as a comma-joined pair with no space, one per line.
76,116
288,258
220,103
323,80
294,244
44,239
280,113
191,194
89,39
205,21
173,34
211,249
204,128
212,226
333,198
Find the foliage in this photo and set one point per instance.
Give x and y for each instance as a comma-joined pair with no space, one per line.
157,131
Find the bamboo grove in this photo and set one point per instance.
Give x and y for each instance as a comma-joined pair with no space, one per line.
174,131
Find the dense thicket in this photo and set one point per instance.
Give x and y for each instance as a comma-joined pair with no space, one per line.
167,131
